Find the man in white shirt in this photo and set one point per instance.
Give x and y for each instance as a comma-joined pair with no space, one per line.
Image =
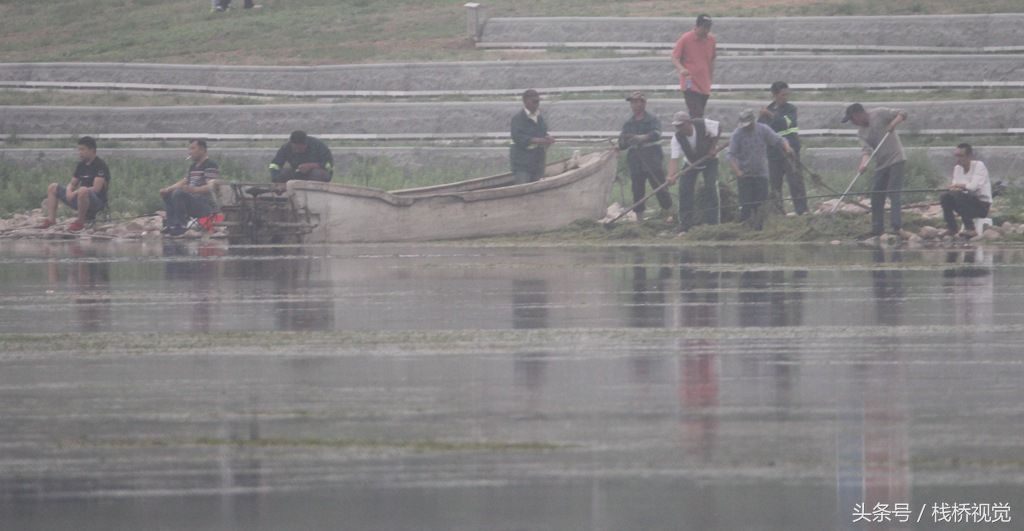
970,194
695,138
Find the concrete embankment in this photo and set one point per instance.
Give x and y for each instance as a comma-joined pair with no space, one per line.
452,119
510,77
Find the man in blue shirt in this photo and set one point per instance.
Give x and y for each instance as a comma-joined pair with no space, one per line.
748,159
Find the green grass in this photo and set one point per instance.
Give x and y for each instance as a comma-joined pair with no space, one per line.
342,31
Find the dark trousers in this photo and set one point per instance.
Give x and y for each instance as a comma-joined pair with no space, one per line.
752,192
888,181
687,188
783,168
643,170
181,205
695,103
968,206
288,174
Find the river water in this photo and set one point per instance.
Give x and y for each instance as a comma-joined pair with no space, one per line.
193,386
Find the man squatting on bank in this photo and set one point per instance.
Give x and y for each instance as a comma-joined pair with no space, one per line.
192,196
87,191
970,193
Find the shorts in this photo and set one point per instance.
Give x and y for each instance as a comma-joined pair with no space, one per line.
96,203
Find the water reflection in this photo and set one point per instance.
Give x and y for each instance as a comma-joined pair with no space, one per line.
530,311
89,281
971,284
887,283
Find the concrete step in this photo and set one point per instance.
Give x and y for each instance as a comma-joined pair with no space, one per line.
1004,162
464,120
488,78
955,33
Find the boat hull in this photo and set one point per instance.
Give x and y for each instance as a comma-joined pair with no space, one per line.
348,214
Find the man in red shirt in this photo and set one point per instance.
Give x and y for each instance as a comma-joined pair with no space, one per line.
694,59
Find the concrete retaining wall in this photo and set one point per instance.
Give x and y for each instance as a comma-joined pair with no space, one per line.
1004,162
953,31
515,76
454,118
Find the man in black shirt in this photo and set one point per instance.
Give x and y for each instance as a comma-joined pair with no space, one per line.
192,196
87,191
641,136
530,141
780,115
303,158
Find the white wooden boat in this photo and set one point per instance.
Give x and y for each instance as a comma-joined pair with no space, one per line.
315,212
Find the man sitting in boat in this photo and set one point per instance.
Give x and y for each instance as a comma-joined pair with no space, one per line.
530,140
192,195
304,158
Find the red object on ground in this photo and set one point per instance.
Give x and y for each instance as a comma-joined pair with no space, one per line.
76,226
45,224
207,222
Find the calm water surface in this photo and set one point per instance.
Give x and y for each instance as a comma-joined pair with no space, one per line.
467,387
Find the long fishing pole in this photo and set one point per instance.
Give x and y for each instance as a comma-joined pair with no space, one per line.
690,166
861,172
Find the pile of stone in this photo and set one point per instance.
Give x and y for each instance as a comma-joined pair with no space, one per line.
989,233
23,226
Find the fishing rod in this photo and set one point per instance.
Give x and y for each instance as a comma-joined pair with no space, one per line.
824,196
861,172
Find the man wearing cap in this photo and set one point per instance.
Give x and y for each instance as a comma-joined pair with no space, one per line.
530,140
641,136
696,138
876,130
694,59
780,115
748,151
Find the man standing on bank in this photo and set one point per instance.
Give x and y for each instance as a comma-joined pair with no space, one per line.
873,127
696,138
530,141
780,115
641,136
694,59
87,191
748,151
303,158
192,196
970,194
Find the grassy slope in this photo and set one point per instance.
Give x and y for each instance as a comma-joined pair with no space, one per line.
341,31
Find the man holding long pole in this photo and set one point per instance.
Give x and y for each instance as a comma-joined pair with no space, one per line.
695,138
641,136
876,130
